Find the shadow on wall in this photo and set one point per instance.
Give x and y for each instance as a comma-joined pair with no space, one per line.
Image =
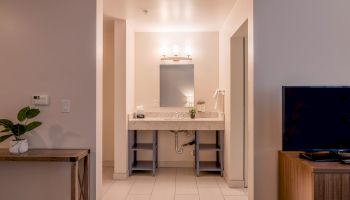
57,137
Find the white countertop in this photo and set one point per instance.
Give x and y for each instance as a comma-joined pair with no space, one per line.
171,121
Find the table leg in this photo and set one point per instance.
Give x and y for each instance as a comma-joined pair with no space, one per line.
74,181
197,152
86,177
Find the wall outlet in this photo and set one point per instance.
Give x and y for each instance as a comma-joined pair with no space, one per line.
40,100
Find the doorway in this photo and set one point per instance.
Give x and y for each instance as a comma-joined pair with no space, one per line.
239,101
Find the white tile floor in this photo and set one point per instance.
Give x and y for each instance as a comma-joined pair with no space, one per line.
169,184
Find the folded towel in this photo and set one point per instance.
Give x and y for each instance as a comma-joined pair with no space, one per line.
219,97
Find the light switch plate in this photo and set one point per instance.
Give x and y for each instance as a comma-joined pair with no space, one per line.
65,106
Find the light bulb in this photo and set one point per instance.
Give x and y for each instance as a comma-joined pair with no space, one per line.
164,51
176,50
190,101
188,51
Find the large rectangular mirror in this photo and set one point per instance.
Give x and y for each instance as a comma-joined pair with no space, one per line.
176,85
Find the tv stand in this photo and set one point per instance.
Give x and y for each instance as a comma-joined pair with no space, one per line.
301,179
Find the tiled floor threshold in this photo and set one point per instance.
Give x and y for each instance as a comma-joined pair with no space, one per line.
170,184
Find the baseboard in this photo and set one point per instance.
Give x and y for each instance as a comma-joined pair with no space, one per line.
120,176
235,184
176,164
108,163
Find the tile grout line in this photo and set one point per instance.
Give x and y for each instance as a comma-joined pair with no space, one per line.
104,193
195,176
154,183
219,188
222,193
109,187
244,195
219,182
175,183
132,184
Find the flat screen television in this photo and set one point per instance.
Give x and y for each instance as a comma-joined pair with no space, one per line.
316,118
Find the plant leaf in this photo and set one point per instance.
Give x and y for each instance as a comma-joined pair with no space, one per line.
5,130
22,114
6,123
32,126
32,113
18,129
4,137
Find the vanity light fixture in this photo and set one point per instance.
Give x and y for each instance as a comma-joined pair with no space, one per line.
176,53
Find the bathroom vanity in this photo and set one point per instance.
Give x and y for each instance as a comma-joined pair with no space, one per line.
175,121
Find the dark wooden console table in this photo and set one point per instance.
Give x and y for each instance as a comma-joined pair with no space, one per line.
79,185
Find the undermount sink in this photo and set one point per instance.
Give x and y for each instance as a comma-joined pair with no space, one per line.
171,121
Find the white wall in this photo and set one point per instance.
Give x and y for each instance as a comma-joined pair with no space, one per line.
120,108
241,12
48,47
130,67
296,43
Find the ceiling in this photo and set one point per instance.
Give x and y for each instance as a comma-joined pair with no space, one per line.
170,15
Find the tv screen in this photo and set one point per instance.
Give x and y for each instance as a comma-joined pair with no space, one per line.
316,118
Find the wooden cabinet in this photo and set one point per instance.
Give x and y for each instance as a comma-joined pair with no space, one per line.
301,179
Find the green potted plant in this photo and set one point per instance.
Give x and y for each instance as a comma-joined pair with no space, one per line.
19,144
193,113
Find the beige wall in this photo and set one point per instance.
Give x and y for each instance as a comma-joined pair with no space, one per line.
48,47
241,12
296,43
120,101
130,67
205,47
147,60
108,92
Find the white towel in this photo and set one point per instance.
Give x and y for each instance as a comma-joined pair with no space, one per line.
219,97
